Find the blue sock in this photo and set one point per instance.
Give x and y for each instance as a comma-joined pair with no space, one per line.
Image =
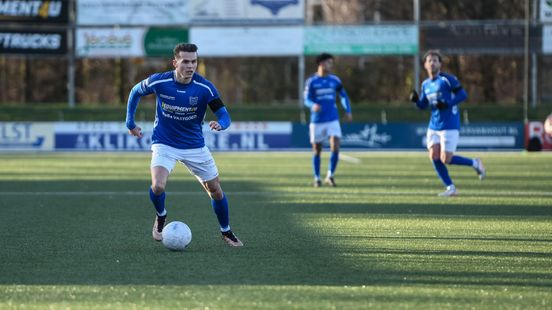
158,202
462,161
334,158
442,172
316,165
221,210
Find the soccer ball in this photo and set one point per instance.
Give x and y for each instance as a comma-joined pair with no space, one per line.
548,125
176,236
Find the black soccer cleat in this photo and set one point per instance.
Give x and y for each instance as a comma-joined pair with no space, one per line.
231,239
330,181
317,183
158,225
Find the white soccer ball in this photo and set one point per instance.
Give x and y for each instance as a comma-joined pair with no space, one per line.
176,236
548,125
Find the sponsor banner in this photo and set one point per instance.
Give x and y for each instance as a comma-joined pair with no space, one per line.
33,42
248,41
547,39
546,10
34,11
26,136
255,136
361,40
113,136
128,42
103,42
160,42
490,38
412,136
211,12
133,12
99,136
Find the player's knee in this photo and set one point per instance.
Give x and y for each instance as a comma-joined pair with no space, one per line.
158,188
216,193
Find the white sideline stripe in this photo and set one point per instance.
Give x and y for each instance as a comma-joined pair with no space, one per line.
306,192
350,159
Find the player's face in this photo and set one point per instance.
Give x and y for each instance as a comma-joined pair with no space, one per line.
432,64
327,65
185,64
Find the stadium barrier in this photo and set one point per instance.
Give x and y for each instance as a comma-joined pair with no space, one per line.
249,136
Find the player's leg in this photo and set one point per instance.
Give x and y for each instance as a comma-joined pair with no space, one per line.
315,137
202,165
434,148
316,155
220,207
162,164
451,141
334,131
334,158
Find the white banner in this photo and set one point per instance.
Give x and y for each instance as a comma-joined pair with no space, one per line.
546,10
547,39
132,12
247,11
102,42
248,41
26,136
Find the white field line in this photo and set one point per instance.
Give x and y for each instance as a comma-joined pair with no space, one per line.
277,193
350,159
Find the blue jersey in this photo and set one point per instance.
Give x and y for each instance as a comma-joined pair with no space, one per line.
447,89
180,108
322,90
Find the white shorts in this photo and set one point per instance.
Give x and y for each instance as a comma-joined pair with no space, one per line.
448,139
320,132
199,162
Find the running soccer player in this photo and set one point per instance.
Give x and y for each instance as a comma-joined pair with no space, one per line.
443,93
320,98
182,99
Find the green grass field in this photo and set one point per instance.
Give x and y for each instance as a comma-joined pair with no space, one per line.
76,233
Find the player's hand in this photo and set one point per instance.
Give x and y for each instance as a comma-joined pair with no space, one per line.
214,125
136,131
349,117
441,105
413,96
316,107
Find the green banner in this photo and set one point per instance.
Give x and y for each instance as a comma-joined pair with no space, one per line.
161,41
361,40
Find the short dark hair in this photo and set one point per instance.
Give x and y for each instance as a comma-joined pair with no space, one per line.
433,53
323,57
184,47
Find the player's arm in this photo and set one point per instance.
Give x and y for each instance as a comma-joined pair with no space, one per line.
458,94
346,103
223,117
421,102
139,90
308,98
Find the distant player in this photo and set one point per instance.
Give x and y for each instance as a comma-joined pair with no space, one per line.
442,93
182,99
320,96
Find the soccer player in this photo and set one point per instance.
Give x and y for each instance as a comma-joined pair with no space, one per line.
320,98
182,99
443,93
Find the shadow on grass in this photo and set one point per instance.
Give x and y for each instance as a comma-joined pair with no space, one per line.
105,239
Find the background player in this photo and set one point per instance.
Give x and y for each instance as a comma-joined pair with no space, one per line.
320,97
443,93
182,99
